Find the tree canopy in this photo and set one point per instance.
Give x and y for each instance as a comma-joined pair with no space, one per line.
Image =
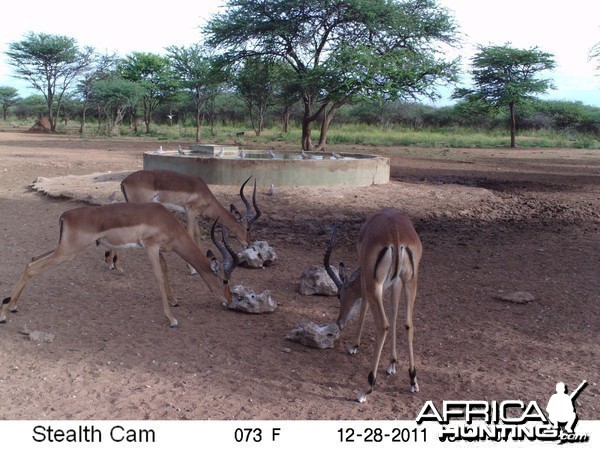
595,55
341,49
194,68
154,74
504,77
50,63
258,82
8,97
113,97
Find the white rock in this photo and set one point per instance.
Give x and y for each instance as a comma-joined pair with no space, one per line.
316,281
246,300
314,335
259,254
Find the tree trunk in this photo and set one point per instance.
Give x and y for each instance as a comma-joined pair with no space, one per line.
328,117
83,114
306,131
147,122
198,124
285,118
133,116
253,119
306,122
513,125
50,103
118,120
258,119
307,119
198,111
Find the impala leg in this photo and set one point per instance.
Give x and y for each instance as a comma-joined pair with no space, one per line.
361,321
157,267
35,267
193,230
395,297
410,292
111,258
163,266
381,330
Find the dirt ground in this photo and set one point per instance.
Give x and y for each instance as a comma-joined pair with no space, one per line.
492,222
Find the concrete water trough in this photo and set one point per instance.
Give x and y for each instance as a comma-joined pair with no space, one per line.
231,166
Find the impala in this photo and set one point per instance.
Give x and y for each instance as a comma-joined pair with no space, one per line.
190,195
129,225
389,251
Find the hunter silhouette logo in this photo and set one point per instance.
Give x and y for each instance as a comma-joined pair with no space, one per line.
561,407
508,420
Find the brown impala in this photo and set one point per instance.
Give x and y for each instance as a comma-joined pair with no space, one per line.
132,225
389,251
190,195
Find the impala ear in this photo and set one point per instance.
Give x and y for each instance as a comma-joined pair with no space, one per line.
342,272
215,265
235,212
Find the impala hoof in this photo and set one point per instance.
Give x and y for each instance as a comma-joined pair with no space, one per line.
391,369
361,398
353,350
414,388
174,323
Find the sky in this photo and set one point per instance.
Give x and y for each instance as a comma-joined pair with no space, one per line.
568,30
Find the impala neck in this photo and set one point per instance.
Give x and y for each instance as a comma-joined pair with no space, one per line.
225,217
350,301
191,253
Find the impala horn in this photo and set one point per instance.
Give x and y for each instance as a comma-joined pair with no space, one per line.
336,279
249,217
230,257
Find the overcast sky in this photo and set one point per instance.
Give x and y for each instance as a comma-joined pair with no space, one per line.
568,30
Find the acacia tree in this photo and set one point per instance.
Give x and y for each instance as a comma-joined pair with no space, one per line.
9,96
102,68
50,63
33,105
194,69
113,97
340,49
256,82
154,74
505,77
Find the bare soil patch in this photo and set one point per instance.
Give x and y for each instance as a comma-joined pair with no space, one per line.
492,222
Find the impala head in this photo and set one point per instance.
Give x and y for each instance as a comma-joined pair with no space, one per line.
223,270
349,293
249,218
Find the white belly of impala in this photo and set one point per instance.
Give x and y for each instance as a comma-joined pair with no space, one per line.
172,207
126,237
112,246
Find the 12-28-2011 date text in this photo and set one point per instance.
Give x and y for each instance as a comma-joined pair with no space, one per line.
407,435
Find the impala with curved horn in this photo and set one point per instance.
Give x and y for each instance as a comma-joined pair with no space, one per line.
132,225
190,195
389,251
